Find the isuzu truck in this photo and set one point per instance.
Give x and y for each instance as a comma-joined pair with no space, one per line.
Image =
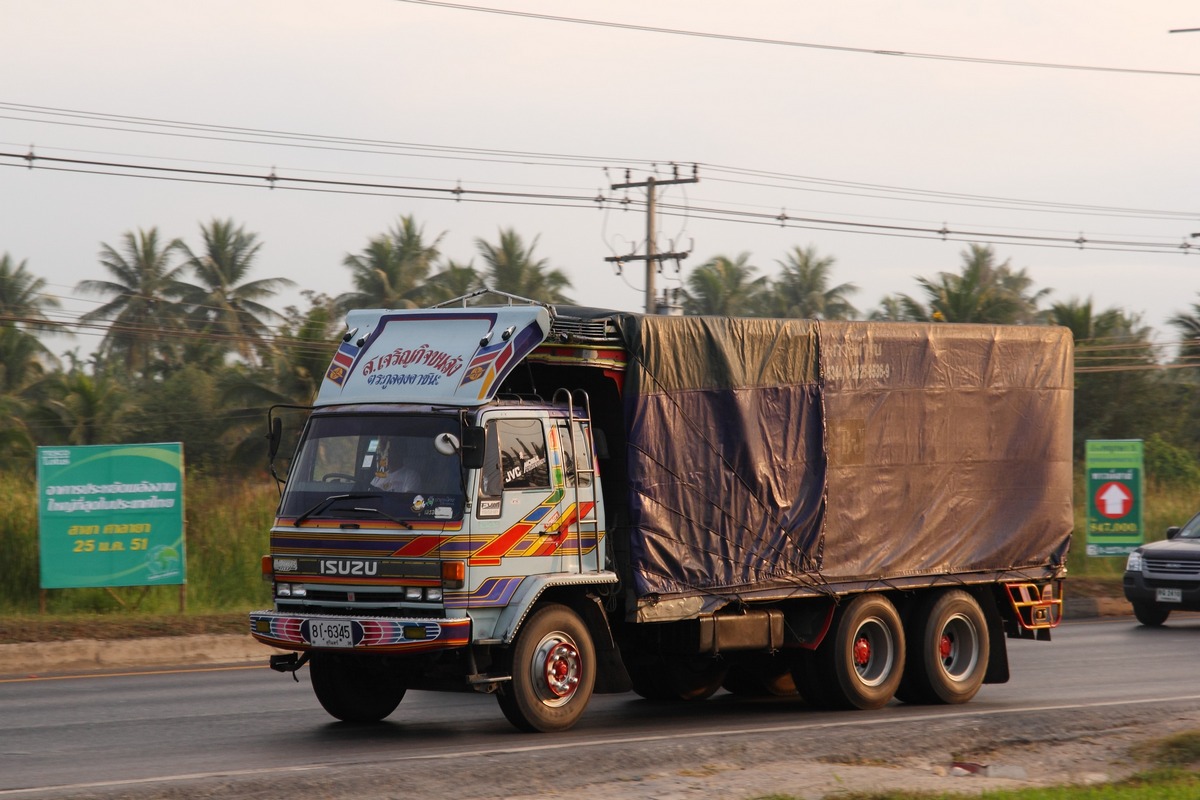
543,503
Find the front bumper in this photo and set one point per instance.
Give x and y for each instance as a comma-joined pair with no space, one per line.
361,634
1141,589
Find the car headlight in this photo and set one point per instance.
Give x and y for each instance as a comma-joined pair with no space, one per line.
1134,564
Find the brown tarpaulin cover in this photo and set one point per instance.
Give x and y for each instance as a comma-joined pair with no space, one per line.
768,457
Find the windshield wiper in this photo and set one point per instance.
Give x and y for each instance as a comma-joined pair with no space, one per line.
328,501
385,515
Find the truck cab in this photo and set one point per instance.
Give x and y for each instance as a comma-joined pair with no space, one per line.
424,518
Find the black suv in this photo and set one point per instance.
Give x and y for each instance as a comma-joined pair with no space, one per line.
1161,577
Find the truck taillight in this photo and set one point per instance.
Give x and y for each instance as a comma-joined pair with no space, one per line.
454,574
268,571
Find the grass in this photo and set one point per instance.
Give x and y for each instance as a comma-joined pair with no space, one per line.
1168,784
227,525
1172,776
58,628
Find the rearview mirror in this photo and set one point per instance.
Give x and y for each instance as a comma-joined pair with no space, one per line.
446,444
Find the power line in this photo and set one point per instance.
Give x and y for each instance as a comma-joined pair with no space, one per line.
809,45
274,180
212,132
153,125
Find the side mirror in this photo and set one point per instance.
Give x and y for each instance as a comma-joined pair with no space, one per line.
1172,531
474,443
274,438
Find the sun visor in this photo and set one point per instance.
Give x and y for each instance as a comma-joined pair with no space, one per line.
441,356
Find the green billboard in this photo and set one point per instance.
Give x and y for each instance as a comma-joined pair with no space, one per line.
111,515
1114,491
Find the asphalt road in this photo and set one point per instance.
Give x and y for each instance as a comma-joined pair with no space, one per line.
248,732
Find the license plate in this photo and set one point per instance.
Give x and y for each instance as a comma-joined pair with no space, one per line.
330,633
1169,595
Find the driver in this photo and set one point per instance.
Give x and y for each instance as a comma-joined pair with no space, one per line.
391,473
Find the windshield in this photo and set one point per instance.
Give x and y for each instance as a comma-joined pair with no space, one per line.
1191,530
374,467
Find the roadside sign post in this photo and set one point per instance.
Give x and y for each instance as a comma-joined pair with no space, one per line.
111,515
1114,470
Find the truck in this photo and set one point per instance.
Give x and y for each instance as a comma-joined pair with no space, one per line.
547,502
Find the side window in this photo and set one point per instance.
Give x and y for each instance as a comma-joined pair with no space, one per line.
523,454
575,452
491,480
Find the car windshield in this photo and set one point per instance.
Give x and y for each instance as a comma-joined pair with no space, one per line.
374,467
1191,530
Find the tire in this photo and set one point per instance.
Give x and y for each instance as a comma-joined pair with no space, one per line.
355,688
673,678
553,672
860,665
948,650
1150,614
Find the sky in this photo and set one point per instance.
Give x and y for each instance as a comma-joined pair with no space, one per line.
858,128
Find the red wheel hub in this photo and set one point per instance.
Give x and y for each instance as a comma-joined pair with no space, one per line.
945,646
562,668
862,651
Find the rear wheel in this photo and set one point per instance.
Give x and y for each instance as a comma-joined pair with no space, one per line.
948,650
355,688
861,663
1150,614
553,672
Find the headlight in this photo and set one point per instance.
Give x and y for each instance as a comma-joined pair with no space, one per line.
1134,564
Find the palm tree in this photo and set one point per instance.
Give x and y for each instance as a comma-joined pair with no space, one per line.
390,271
79,408
224,301
1188,325
512,268
454,281
892,308
22,298
145,290
802,288
724,286
23,306
290,376
982,292
1119,392
23,362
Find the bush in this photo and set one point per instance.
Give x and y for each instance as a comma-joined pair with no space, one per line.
1169,464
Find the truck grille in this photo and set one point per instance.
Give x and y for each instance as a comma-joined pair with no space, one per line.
1173,566
579,329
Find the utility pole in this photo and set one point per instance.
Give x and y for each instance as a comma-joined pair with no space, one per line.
652,257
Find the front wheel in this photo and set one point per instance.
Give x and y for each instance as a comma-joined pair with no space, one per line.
1152,615
355,688
553,671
